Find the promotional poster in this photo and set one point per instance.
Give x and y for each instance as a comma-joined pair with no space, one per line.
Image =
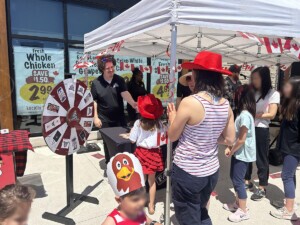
37,72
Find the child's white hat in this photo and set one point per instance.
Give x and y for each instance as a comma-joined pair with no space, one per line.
125,173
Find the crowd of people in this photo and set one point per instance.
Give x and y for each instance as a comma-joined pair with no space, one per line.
210,111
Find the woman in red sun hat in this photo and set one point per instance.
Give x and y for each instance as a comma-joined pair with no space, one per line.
203,121
149,134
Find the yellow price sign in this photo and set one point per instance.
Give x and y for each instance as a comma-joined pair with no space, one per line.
161,91
36,93
127,77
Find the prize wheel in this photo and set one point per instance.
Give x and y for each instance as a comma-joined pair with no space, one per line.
68,117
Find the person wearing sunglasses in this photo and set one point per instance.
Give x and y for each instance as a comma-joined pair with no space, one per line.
109,91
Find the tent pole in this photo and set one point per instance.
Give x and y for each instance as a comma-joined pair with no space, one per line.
169,147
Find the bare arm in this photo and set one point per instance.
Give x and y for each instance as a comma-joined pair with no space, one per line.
128,98
178,119
240,140
270,115
178,100
228,135
97,121
109,221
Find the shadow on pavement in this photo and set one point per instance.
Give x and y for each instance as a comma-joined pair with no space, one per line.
35,181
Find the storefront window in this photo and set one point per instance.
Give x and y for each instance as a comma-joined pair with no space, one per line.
82,19
43,18
39,66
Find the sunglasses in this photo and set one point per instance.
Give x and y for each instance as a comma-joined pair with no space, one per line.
107,59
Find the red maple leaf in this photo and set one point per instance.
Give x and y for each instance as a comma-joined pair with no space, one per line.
163,69
275,44
146,68
55,73
127,65
295,46
163,137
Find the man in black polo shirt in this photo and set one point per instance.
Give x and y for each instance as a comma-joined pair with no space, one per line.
109,90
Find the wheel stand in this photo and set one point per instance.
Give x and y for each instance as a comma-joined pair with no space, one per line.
73,199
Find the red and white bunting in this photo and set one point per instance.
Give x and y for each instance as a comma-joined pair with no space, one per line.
111,49
126,66
247,67
252,37
273,45
145,69
293,46
83,64
162,69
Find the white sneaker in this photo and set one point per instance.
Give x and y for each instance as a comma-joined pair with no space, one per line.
231,207
284,214
239,216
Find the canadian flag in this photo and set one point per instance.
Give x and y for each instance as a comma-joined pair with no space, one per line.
126,66
178,68
162,138
145,69
252,37
293,46
162,69
247,67
273,45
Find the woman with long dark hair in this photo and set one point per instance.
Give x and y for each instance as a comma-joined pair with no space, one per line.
202,121
267,101
136,88
289,144
243,151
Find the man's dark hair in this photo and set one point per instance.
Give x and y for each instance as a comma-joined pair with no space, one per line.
265,76
209,81
102,60
235,68
245,99
139,191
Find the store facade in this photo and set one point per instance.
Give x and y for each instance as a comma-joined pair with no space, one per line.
40,43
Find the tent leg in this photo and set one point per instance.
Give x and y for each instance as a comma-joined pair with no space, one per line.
169,148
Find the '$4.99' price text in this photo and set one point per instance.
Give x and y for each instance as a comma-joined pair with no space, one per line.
36,93
161,91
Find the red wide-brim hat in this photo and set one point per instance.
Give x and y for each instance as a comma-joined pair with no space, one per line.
150,107
209,61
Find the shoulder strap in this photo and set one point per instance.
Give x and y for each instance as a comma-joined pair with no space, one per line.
258,99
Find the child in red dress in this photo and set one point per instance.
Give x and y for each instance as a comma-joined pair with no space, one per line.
125,176
149,134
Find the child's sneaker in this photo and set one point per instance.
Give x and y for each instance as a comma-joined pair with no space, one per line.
284,214
231,207
239,216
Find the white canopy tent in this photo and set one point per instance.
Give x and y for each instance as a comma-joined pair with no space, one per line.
201,25
194,25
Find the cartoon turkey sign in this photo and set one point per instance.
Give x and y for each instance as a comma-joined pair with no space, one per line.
125,173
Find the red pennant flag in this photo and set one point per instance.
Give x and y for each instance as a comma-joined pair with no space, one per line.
252,37
273,45
293,46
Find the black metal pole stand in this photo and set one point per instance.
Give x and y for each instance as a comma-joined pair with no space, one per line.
73,199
